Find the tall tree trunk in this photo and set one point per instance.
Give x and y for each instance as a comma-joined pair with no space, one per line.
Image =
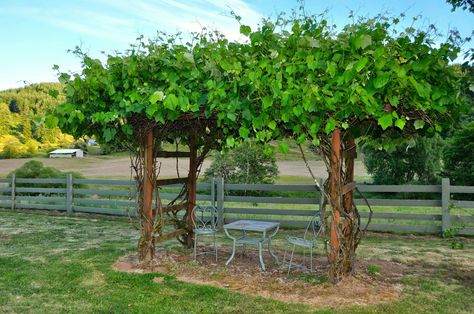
147,244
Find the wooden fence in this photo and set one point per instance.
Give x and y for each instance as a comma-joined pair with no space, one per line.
433,212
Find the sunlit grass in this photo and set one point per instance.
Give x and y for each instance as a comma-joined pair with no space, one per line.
56,263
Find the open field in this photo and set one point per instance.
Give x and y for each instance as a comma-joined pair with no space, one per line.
118,166
55,263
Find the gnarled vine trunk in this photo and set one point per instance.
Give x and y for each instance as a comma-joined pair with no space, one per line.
146,243
153,215
339,153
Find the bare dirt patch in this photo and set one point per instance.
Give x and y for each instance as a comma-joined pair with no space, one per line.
244,276
119,166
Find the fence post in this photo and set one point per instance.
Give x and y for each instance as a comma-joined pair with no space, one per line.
445,198
220,199
13,191
69,191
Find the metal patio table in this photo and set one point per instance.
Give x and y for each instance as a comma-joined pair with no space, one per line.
254,226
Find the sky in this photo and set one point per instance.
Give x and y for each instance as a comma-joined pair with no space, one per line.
37,34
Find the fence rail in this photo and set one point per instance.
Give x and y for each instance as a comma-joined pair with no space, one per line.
289,204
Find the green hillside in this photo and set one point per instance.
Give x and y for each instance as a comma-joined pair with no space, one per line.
20,135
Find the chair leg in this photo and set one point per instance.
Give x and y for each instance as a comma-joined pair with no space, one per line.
215,246
304,256
311,258
234,243
195,247
291,259
284,255
260,255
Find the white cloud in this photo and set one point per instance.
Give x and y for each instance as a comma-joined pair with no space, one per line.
122,20
114,24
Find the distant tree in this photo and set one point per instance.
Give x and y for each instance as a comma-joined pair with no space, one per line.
420,163
80,144
247,163
458,156
222,166
14,106
20,115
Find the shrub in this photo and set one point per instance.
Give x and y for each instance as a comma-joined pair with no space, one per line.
35,169
247,163
32,147
458,156
11,147
420,163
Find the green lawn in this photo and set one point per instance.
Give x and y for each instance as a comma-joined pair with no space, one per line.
54,264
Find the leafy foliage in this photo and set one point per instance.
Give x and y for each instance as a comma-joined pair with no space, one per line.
418,163
161,81
367,79
246,163
299,77
458,156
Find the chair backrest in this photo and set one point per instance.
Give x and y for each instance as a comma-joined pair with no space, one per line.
205,217
313,228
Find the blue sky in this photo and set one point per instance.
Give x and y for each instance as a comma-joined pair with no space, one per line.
36,34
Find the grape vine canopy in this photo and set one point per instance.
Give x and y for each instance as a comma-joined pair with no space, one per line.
300,78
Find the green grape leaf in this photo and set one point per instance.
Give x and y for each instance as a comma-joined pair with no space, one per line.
330,125
245,30
385,121
156,96
400,123
363,41
419,124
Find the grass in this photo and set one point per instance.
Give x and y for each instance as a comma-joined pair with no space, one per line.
373,269
51,263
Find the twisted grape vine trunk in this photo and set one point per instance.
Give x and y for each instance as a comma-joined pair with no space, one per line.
146,247
345,231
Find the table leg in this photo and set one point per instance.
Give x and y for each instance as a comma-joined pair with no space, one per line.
260,255
234,244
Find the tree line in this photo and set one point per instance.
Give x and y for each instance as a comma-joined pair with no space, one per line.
21,132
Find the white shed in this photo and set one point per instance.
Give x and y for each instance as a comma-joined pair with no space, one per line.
67,153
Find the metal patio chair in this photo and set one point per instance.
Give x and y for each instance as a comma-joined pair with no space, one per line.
308,241
205,220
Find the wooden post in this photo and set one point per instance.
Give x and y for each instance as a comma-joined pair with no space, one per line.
220,200
149,249
69,193
445,198
13,191
335,202
192,188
